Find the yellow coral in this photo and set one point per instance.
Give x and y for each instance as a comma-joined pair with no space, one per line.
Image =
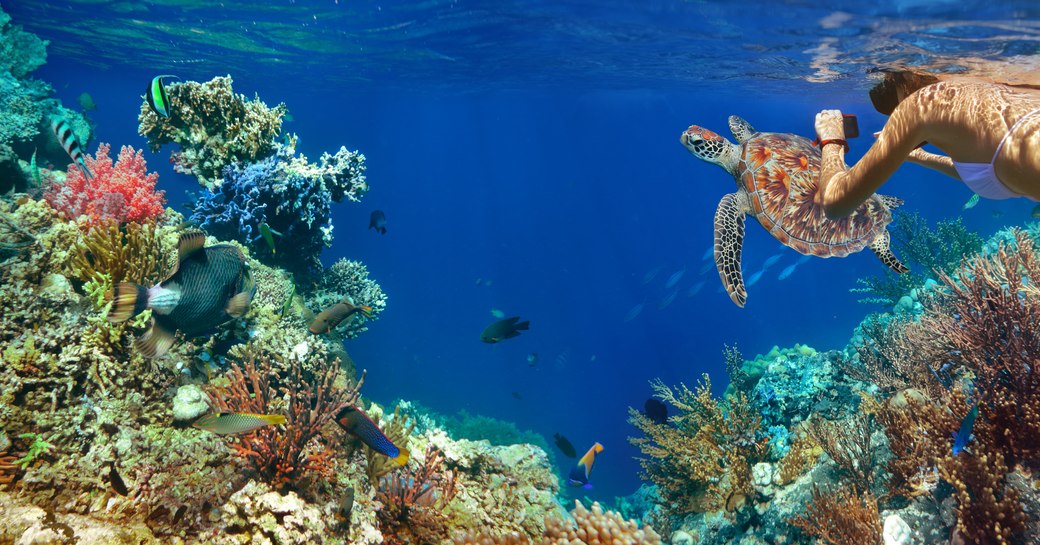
107,255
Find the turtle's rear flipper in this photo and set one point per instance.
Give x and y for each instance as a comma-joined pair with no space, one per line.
882,249
729,239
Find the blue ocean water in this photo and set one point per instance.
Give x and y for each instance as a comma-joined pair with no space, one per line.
526,155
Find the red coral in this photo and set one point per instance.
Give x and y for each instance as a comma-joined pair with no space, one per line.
284,456
123,192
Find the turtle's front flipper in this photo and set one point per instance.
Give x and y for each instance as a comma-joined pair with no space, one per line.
729,239
882,249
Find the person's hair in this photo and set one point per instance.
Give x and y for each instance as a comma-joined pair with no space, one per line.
895,86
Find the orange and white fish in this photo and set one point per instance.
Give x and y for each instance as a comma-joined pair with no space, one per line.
580,474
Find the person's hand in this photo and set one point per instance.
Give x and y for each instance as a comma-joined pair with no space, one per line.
830,125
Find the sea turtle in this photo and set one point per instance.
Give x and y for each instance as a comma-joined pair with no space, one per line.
777,175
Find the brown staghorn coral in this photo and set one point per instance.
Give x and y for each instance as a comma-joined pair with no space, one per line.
987,320
413,502
590,527
843,517
285,456
702,462
848,444
988,510
214,127
894,353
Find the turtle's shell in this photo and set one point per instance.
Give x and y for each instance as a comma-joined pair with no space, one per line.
780,173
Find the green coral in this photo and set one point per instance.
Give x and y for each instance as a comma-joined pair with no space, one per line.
37,448
213,126
922,249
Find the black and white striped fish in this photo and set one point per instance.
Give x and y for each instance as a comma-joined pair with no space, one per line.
68,140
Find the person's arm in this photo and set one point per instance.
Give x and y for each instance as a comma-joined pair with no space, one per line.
934,161
841,191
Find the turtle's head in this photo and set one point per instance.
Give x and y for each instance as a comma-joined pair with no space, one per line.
709,146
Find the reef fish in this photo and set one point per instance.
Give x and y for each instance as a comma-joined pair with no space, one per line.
1036,211
228,423
532,359
504,329
268,235
156,96
564,445
377,221
208,287
34,171
674,279
331,317
67,139
358,424
580,473
971,202
963,435
656,411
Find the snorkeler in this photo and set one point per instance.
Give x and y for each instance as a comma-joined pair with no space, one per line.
990,133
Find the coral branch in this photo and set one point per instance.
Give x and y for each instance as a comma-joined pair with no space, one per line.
284,456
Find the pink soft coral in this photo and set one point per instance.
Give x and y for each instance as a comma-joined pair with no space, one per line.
123,192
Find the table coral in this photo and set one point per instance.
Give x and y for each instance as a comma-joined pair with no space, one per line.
289,197
214,127
121,192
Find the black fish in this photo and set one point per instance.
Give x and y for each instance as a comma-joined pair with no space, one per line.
504,329
656,411
209,286
517,395
565,446
377,221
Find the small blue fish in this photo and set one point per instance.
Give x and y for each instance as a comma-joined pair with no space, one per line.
771,261
674,279
580,474
963,435
755,278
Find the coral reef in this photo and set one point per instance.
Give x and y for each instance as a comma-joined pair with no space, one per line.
285,456
589,527
924,250
845,517
701,459
348,280
414,502
281,202
25,107
213,127
121,192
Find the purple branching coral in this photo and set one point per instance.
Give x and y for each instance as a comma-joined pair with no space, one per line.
291,196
